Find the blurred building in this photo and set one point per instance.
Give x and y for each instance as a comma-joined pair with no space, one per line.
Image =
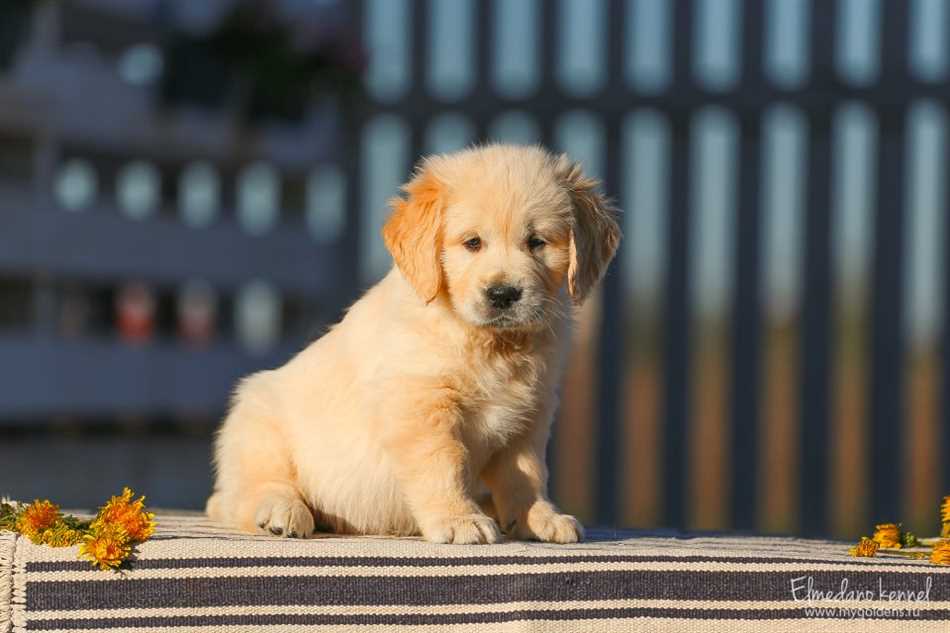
157,242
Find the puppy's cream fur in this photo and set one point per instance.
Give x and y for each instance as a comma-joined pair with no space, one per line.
426,393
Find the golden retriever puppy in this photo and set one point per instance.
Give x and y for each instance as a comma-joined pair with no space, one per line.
440,381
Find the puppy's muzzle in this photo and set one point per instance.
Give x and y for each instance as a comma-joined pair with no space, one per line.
502,296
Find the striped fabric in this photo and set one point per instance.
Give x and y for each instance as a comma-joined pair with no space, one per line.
195,576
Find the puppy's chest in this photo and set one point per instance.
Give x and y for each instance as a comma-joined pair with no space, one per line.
504,401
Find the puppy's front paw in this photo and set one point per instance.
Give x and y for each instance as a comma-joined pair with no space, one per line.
462,530
544,523
284,517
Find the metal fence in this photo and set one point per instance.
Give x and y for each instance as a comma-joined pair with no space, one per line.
887,94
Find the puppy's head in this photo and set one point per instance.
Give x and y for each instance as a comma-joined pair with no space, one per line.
498,231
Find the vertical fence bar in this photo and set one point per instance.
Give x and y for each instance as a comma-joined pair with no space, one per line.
610,356
353,226
485,51
746,385
418,95
677,309
547,43
816,309
548,91
610,348
943,449
886,393
353,110
944,400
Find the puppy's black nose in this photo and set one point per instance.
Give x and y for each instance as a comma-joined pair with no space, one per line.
501,296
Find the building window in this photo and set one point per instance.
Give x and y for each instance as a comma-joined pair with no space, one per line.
138,190
385,163
326,203
197,312
257,316
258,198
141,65
199,192
76,184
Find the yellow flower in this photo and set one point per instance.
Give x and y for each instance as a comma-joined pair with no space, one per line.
945,517
106,547
36,518
888,535
865,548
130,515
61,535
941,553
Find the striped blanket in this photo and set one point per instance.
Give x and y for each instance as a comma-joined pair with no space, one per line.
195,576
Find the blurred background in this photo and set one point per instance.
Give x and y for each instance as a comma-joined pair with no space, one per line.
190,191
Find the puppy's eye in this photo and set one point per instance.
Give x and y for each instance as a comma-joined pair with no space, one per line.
535,242
473,244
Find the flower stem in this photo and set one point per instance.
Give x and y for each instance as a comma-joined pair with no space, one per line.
904,553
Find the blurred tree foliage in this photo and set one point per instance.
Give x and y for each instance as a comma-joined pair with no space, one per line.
258,63
14,20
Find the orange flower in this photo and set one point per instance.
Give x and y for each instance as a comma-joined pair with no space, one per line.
945,517
130,515
36,518
865,548
888,535
106,547
941,553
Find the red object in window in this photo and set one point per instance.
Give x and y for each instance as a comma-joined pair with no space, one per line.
135,306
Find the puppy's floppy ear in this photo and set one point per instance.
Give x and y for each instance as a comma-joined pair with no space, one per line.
413,233
595,234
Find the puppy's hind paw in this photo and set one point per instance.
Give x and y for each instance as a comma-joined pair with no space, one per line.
465,529
284,517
